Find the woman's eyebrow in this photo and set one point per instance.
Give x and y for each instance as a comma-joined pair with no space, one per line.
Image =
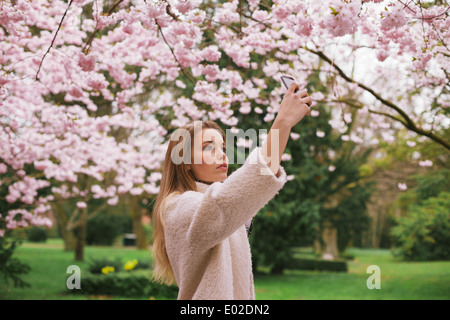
209,142
213,142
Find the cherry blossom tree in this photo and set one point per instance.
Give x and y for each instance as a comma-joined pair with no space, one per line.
90,89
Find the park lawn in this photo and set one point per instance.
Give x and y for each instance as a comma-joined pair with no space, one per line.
399,280
49,264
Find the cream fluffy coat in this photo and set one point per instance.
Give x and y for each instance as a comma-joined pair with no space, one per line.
205,233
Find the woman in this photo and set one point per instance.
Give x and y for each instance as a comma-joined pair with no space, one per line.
200,238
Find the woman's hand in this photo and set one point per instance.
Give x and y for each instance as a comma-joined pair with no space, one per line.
294,107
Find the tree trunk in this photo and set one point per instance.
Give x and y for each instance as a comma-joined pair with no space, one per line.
329,237
61,220
326,243
136,216
81,234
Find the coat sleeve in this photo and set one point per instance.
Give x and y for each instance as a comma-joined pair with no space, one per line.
207,219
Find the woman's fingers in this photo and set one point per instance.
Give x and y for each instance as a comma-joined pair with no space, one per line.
303,93
307,100
293,87
304,97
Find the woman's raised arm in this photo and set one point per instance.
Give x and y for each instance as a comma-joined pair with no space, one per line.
292,110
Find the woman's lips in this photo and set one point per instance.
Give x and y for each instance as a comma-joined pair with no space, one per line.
223,167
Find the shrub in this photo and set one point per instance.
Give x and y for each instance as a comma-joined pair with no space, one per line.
95,266
424,234
104,228
125,284
143,264
318,265
12,268
37,234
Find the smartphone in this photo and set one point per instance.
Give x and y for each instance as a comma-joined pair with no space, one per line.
286,81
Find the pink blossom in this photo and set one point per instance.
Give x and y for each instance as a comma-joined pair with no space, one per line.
136,191
3,80
422,61
245,108
183,6
86,62
304,27
227,13
363,111
211,72
81,205
281,12
97,83
394,19
356,139
156,10
211,53
342,18
3,168
402,186
348,117
39,221
426,163
197,16
113,201
382,54
75,92
260,15
294,136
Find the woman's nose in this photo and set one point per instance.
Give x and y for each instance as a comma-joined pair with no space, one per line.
221,154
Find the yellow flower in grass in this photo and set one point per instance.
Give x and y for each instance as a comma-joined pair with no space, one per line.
107,269
130,265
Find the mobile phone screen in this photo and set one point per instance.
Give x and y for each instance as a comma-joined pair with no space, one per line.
286,80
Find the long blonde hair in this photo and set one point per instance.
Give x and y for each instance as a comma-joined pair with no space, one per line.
176,179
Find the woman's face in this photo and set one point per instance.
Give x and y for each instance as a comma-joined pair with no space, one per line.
210,149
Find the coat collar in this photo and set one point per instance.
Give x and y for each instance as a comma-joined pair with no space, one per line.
201,186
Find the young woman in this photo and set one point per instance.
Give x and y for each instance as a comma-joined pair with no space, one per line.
200,238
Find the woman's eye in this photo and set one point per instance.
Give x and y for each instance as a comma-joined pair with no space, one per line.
210,147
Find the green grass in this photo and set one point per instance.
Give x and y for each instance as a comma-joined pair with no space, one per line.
399,280
49,264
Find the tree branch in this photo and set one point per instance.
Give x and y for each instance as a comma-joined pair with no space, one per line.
53,40
88,43
354,105
173,53
408,123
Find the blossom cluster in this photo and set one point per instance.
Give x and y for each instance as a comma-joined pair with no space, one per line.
80,94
